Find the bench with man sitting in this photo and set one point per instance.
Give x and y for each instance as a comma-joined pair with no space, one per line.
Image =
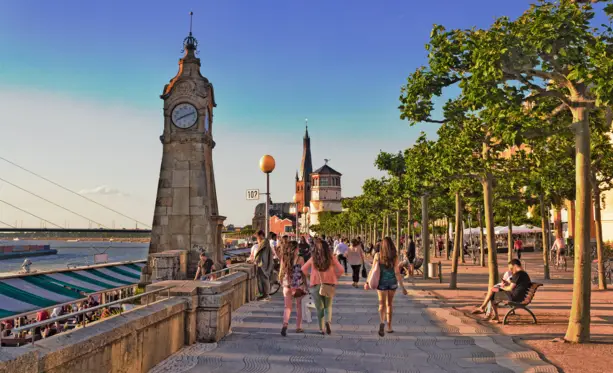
515,291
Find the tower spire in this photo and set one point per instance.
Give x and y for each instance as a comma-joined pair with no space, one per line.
190,43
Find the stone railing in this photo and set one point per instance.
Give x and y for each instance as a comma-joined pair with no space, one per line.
139,339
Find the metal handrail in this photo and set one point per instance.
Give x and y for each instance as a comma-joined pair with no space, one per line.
87,310
79,300
230,267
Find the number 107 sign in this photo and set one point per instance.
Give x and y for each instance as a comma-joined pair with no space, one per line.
253,194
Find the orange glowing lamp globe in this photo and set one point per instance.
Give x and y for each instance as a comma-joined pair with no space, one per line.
267,164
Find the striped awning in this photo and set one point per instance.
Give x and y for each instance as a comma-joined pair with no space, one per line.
31,292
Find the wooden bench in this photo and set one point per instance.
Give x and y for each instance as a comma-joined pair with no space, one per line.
522,305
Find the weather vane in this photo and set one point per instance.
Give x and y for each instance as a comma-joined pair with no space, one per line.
326,160
306,122
191,17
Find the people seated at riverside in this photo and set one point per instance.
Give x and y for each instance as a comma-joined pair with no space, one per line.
515,291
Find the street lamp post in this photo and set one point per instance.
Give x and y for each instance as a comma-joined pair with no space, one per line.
267,165
305,210
295,210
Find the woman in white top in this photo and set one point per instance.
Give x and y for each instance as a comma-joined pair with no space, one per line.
355,258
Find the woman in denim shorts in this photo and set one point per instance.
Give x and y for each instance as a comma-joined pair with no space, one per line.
387,260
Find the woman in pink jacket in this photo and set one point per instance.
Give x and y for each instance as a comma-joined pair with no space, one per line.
324,269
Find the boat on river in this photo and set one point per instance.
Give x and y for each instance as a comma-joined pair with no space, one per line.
12,251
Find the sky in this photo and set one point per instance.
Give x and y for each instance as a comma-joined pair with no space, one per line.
80,85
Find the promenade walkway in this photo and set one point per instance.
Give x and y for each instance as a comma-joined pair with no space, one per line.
429,337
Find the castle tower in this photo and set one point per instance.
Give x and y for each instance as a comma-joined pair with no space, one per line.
303,178
326,193
186,215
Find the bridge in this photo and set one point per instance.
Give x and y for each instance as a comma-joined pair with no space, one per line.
59,228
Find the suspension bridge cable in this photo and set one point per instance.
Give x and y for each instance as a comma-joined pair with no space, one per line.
29,213
73,192
53,203
8,225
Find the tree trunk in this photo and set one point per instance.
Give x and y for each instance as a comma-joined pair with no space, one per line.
453,281
481,239
463,226
397,229
545,235
510,239
388,229
447,237
579,321
425,237
602,282
408,222
383,228
489,227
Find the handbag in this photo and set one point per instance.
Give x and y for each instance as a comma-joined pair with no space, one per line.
364,272
325,290
374,275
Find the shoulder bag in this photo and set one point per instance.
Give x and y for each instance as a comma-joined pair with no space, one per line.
325,290
374,275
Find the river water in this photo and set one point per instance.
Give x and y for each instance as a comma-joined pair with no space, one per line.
81,253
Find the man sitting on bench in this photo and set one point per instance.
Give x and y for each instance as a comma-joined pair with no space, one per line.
516,290
506,280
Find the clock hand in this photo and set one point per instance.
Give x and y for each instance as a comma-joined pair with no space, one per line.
187,115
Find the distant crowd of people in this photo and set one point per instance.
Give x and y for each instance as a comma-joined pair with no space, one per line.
11,338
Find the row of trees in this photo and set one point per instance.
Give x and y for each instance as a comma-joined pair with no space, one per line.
528,105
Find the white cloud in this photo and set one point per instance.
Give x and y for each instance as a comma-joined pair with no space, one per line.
104,190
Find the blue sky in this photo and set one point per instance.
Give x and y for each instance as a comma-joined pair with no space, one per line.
80,85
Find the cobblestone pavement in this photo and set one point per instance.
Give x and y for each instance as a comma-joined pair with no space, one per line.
428,337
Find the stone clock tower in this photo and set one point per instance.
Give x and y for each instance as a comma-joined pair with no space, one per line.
186,215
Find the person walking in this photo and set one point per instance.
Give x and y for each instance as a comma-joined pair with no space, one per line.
305,249
518,246
389,280
294,284
325,271
341,252
264,261
355,257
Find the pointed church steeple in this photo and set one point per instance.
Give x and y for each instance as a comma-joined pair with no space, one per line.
306,167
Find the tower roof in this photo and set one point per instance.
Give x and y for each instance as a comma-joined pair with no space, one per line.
326,170
306,166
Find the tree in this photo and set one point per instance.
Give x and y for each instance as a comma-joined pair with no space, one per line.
550,52
601,180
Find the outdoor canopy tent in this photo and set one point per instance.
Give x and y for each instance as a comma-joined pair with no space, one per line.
521,229
19,294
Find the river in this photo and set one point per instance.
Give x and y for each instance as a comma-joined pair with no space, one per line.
81,253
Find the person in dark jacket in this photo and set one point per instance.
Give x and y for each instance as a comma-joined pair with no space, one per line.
265,263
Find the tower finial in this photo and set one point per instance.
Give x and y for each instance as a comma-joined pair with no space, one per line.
190,43
306,131
191,16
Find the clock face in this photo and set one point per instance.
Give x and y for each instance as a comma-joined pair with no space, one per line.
184,115
207,123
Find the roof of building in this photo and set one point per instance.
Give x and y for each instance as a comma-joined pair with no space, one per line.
326,170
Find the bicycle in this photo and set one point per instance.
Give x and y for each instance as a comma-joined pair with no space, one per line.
608,271
275,285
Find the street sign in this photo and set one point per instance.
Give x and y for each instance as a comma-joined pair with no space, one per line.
253,194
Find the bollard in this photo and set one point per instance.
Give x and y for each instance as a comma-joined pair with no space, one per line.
440,272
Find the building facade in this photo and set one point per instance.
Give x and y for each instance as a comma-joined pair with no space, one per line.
303,177
326,192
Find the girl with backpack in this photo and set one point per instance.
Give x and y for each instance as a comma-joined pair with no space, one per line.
294,285
324,273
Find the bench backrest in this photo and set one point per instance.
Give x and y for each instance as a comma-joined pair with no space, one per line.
531,292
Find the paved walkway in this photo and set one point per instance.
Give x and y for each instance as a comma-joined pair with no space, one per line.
428,337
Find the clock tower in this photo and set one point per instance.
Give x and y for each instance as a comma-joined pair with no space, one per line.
186,215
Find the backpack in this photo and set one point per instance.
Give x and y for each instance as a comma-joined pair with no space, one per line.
296,282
